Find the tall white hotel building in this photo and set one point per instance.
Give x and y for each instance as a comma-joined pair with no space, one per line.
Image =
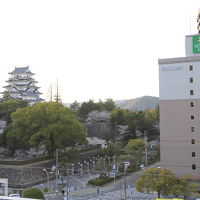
179,85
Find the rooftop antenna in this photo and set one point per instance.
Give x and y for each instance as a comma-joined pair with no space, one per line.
190,24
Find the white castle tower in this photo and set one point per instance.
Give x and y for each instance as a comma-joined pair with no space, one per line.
21,85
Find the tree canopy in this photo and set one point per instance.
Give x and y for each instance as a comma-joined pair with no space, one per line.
33,193
89,106
135,148
136,121
10,106
156,180
49,124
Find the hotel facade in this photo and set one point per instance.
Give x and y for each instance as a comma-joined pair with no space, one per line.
179,88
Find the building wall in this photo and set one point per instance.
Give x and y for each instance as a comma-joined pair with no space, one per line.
176,136
180,114
175,81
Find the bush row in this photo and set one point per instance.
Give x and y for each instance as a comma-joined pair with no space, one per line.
100,180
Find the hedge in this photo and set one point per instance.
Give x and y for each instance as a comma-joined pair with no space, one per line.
33,193
100,180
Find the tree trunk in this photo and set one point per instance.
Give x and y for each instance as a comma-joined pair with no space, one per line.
158,194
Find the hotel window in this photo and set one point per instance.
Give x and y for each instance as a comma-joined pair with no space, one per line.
191,80
192,129
193,154
193,166
191,104
191,92
192,117
191,67
192,141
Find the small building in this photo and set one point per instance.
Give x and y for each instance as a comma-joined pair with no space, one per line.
22,86
96,141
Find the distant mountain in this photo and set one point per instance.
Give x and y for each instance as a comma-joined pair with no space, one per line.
141,103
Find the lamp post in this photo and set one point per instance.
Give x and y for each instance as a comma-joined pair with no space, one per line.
47,178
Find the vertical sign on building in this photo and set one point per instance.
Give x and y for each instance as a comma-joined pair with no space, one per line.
196,44
4,185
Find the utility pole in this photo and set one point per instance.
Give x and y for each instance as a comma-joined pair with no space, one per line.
67,182
114,150
146,151
57,171
125,181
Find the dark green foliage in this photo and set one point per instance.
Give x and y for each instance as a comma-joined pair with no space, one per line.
156,180
6,97
10,106
100,180
68,155
74,107
33,193
136,121
87,107
109,105
49,124
112,149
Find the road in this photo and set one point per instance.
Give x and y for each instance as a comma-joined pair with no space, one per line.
109,192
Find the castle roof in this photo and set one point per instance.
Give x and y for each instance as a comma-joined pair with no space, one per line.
21,70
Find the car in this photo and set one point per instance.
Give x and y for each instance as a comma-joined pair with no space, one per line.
14,195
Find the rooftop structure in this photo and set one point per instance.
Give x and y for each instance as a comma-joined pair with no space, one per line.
21,85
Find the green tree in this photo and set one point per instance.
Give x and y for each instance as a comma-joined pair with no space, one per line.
6,97
6,108
87,107
156,180
74,107
50,124
68,155
109,104
33,193
135,148
113,148
118,117
183,187
10,106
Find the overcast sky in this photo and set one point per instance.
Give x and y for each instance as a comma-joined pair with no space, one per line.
97,49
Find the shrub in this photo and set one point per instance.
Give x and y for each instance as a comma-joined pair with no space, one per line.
45,189
34,193
100,180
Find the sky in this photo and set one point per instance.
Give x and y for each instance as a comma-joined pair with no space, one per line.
96,49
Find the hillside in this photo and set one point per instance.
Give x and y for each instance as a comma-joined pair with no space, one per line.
141,103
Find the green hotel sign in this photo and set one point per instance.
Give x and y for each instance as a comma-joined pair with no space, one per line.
196,44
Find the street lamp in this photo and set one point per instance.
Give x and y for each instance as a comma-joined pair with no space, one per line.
47,178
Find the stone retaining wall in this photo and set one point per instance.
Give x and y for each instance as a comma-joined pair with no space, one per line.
25,175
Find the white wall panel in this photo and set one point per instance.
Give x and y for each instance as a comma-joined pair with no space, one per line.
174,81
